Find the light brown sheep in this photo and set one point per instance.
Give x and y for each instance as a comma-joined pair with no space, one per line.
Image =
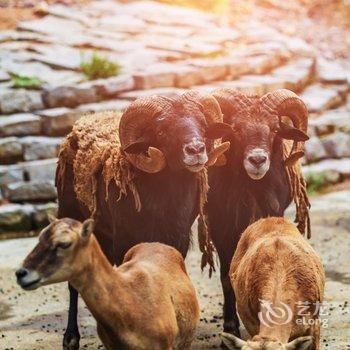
274,273
147,303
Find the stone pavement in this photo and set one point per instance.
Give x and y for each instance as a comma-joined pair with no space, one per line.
161,49
36,320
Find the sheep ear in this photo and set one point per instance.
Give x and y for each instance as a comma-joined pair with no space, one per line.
51,218
87,227
291,133
232,342
218,130
301,343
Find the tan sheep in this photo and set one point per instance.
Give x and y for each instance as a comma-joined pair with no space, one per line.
146,303
274,272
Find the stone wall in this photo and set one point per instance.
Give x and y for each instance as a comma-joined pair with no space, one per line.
162,50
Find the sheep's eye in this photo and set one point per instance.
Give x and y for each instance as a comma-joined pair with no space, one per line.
275,130
63,245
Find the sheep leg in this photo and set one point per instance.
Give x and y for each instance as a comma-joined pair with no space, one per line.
231,321
71,336
225,244
104,335
316,333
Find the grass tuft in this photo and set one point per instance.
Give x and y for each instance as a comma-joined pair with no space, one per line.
316,182
25,82
98,67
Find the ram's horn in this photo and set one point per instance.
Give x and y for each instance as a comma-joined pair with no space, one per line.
216,156
286,103
212,112
132,124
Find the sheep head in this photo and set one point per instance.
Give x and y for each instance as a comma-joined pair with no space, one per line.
255,125
157,131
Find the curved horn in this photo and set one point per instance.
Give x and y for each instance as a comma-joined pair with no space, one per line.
132,125
286,103
211,108
232,101
213,114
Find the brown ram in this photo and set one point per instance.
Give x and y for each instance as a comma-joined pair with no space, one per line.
262,175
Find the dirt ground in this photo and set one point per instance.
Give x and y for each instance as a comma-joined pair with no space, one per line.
36,320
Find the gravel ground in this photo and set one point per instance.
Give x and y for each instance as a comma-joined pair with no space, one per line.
36,320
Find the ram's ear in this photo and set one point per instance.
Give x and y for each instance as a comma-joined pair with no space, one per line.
218,130
301,343
87,228
291,133
232,342
137,147
52,218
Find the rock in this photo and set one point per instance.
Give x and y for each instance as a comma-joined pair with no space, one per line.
40,214
299,47
212,69
336,202
109,87
155,76
49,25
330,121
40,147
331,72
49,77
248,87
58,121
319,98
187,76
58,56
10,150
111,105
206,88
263,63
237,66
69,13
15,217
10,174
331,168
337,145
169,92
17,36
314,150
43,170
268,82
296,74
70,96
190,48
122,23
4,76
20,124
20,100
30,191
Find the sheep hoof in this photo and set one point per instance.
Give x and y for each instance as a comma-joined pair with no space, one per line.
232,328
71,342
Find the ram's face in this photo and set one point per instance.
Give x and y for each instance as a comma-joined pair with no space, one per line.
181,138
254,140
179,133
54,258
